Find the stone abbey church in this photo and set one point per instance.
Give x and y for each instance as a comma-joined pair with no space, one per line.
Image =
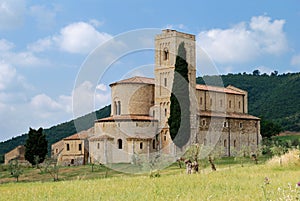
140,110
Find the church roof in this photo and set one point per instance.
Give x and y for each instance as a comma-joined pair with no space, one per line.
81,135
229,89
101,137
228,115
127,118
135,80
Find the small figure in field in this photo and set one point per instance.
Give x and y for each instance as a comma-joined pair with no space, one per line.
254,157
179,160
195,166
188,165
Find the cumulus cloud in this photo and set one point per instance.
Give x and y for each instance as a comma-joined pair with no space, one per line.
5,45
86,98
7,74
101,87
41,45
11,13
245,41
295,60
80,37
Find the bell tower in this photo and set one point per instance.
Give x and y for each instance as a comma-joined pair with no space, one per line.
166,49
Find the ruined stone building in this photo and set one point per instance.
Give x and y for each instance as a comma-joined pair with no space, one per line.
17,153
140,109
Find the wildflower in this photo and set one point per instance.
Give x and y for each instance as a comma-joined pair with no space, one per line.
298,184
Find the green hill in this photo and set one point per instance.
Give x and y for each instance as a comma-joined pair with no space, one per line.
274,97
57,132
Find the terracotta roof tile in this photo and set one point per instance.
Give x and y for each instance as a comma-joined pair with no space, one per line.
228,115
101,138
127,118
81,135
228,90
135,80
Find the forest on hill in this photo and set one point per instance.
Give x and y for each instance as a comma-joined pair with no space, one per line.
58,132
272,97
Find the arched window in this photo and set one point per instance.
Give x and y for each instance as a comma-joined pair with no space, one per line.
98,146
225,143
165,82
120,146
234,143
166,54
166,112
116,107
68,147
119,108
165,137
141,145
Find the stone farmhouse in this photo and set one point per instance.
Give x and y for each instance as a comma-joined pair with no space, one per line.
140,109
17,153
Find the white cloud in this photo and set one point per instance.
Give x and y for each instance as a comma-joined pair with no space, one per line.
80,37
11,13
295,60
7,74
86,99
244,42
5,45
44,16
40,45
96,23
101,87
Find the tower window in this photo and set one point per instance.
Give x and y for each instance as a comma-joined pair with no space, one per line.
166,111
141,145
203,122
68,147
120,144
165,137
221,103
201,101
166,54
225,143
225,125
234,143
239,104
230,104
165,81
79,147
210,101
98,146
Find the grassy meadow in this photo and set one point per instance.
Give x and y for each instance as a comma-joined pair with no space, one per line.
231,181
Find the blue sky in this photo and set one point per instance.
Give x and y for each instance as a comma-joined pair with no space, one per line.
45,44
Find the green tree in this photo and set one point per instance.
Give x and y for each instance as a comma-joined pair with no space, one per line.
36,146
269,128
15,169
179,120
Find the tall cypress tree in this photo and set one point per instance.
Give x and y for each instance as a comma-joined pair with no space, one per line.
179,120
36,146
